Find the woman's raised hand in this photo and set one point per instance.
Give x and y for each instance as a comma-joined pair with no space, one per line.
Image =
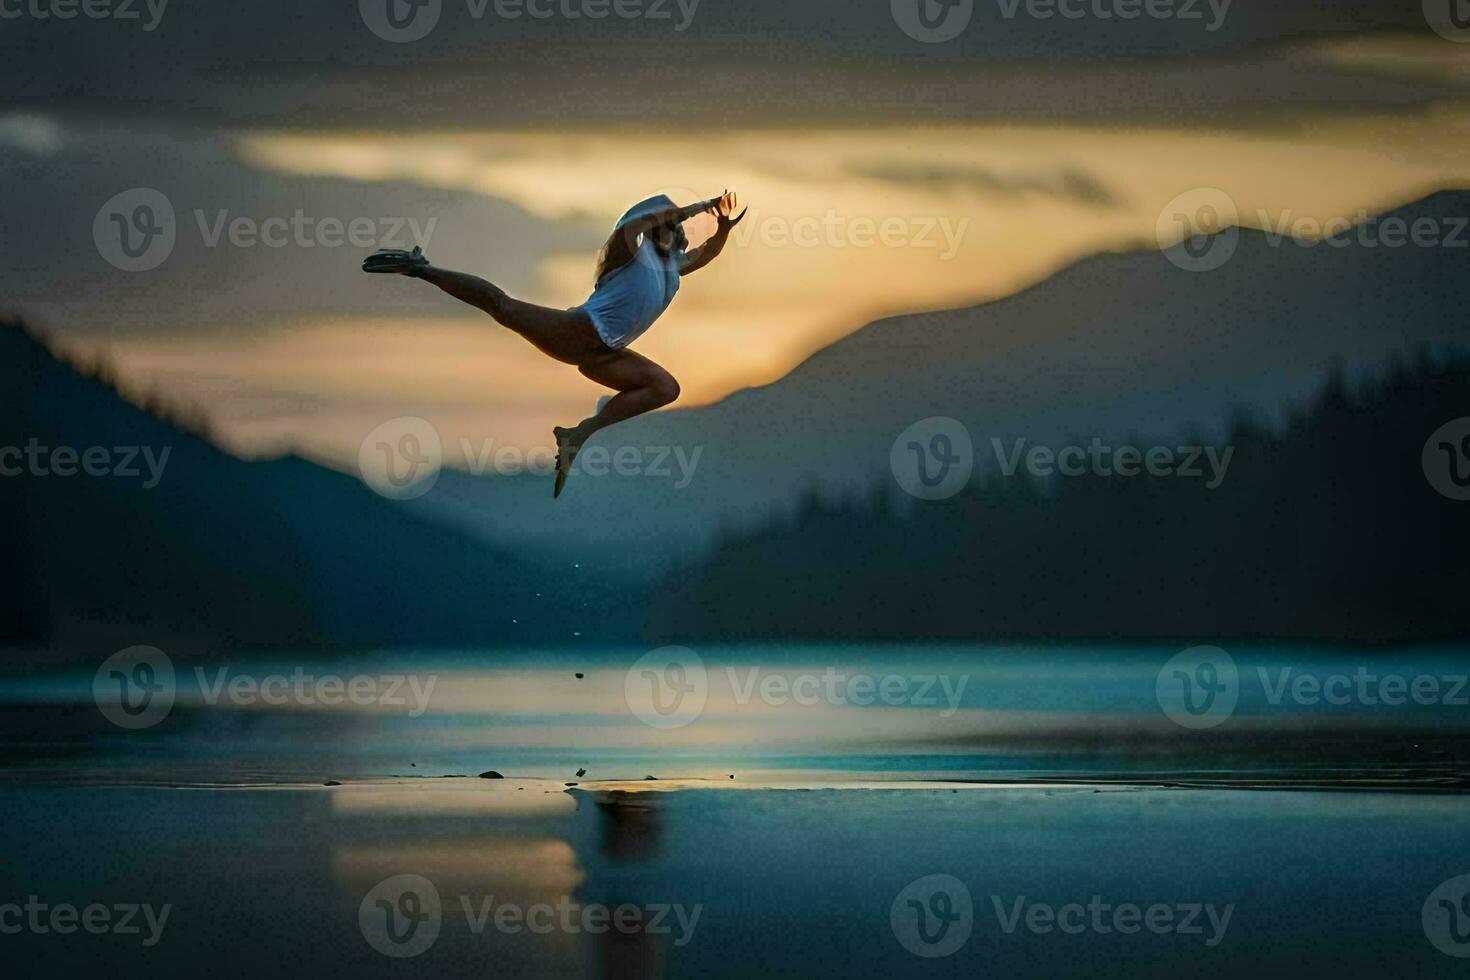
725,207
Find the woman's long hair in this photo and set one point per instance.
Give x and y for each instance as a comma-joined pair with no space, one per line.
642,209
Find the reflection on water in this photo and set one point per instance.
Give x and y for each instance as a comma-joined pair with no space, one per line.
761,882
631,829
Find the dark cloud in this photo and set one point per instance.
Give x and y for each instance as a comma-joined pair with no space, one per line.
318,64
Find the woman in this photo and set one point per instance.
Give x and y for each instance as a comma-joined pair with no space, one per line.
638,274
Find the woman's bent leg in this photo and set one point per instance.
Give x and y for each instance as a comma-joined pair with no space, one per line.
641,386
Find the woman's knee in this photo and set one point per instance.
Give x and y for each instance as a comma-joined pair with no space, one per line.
664,387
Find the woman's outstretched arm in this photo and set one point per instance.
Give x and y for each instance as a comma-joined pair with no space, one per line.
697,258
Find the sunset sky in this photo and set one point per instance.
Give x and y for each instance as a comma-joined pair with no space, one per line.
884,175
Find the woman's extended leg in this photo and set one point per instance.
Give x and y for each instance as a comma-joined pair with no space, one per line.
566,335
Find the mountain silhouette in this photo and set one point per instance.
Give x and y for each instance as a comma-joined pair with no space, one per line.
226,555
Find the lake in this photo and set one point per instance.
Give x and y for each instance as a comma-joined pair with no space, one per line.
1008,811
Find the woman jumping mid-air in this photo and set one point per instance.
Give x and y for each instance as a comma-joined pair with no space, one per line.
637,276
